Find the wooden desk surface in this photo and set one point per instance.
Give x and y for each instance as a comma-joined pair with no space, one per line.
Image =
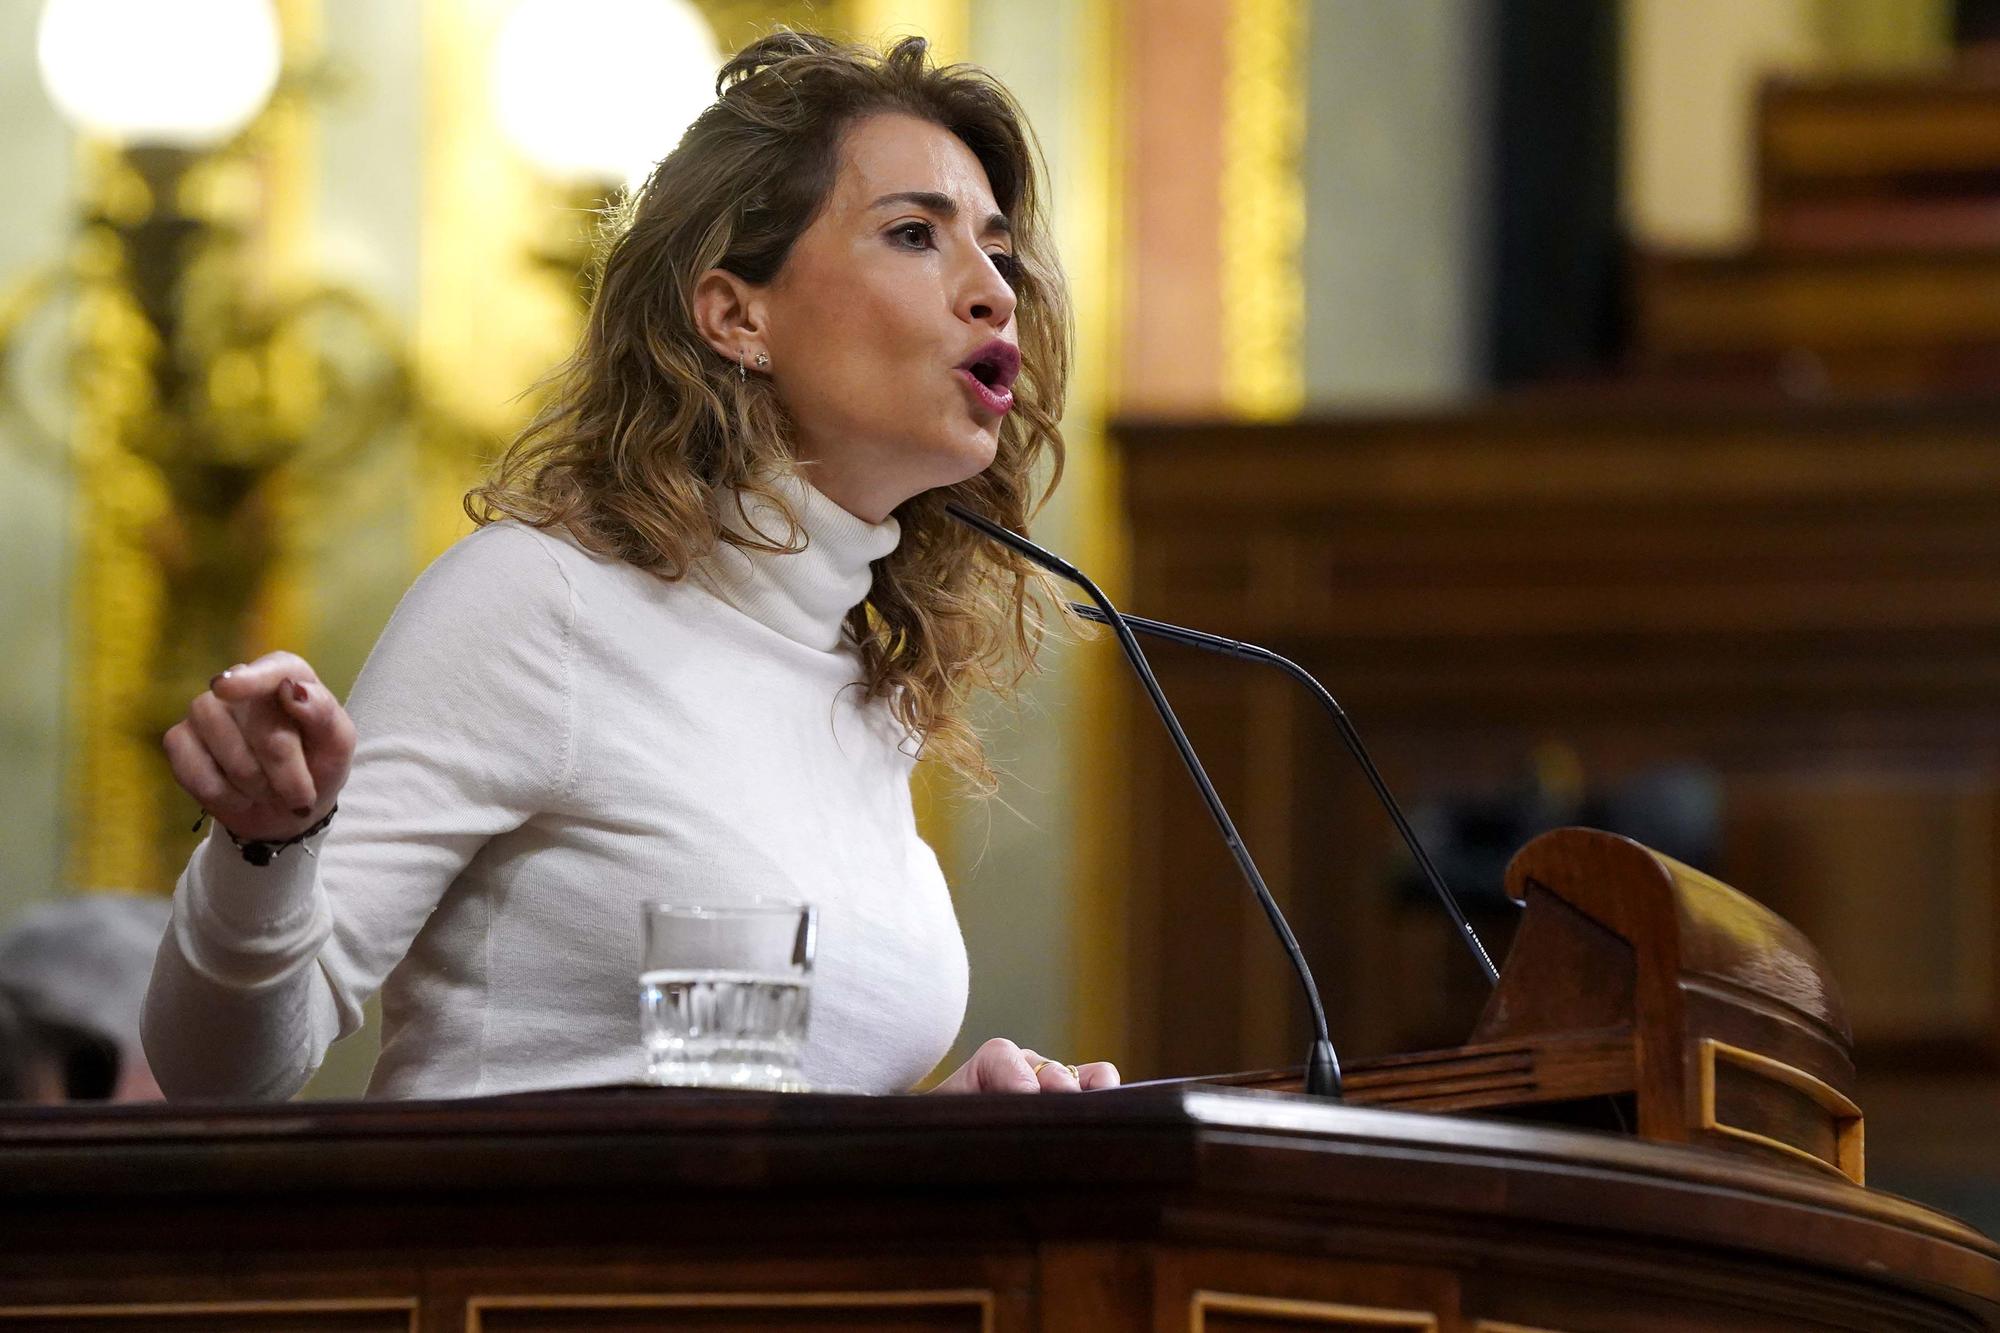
1147,1208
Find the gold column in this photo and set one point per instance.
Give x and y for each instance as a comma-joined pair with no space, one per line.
1092,214
1263,210
114,795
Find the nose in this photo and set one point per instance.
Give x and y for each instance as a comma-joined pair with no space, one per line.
984,296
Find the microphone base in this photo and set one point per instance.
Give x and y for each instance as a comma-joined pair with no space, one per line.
1322,1071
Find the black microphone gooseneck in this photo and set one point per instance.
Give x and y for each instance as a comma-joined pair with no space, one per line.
1322,1065
1250,652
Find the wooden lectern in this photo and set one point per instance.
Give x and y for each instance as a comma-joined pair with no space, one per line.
1636,989
1641,994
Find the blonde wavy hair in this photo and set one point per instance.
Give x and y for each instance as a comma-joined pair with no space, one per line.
646,431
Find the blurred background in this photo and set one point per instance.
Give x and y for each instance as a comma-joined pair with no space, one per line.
1600,395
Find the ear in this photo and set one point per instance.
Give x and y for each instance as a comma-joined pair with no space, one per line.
729,314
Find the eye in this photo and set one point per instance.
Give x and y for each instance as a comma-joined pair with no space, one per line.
922,232
1008,266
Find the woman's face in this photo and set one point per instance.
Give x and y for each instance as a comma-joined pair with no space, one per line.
890,327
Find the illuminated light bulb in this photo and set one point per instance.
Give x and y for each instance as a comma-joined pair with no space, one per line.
189,74
593,91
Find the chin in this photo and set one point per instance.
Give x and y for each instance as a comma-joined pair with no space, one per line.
964,457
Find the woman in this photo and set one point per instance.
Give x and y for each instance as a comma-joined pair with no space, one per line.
714,608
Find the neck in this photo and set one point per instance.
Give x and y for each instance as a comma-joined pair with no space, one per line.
805,594
851,490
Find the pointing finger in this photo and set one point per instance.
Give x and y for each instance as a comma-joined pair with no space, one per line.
261,678
323,725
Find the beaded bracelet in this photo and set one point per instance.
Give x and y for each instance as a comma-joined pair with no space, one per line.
258,851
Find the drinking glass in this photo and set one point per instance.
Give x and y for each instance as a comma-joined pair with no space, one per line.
725,992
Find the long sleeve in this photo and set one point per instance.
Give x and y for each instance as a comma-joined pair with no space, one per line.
465,715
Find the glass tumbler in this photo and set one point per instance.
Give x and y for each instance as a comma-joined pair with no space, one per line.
725,993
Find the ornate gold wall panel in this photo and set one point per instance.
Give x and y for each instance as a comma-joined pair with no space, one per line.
1263,210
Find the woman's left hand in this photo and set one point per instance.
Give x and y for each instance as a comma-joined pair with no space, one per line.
1001,1066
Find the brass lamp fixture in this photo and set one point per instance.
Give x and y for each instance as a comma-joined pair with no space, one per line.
592,93
200,397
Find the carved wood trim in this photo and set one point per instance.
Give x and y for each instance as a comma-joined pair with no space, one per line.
1318,1312
974,1297
158,1309
1846,1116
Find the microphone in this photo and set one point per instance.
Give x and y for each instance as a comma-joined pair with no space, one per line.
1250,652
1322,1064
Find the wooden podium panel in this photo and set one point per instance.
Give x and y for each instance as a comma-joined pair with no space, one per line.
1134,1211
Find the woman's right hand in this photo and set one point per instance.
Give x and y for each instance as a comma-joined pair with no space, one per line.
265,749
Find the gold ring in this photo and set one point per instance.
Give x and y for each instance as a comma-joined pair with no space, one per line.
1040,1065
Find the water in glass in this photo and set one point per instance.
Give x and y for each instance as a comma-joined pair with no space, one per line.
715,1028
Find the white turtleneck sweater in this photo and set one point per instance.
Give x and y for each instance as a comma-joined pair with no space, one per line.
546,739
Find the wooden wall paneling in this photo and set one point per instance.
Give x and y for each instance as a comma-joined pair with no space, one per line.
1226,991
1892,873
1146,863
1333,905
1201,906
1265,818
1816,139
1805,600
1690,307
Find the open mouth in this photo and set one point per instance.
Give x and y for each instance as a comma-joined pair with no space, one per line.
990,373
996,365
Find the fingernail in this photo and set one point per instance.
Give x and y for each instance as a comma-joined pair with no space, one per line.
302,810
299,692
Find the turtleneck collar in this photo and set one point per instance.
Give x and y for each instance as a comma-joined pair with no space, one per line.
804,596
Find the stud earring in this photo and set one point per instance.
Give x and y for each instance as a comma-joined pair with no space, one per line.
762,361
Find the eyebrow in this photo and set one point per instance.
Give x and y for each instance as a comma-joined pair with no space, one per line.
943,205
